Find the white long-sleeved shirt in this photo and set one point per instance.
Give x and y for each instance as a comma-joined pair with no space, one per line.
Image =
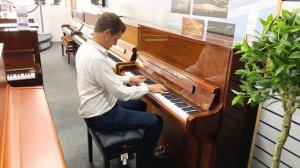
98,86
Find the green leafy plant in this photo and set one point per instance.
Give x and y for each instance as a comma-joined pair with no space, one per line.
272,66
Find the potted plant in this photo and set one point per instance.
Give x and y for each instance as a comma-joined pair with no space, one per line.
271,67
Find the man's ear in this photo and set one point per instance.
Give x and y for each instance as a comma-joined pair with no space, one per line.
107,32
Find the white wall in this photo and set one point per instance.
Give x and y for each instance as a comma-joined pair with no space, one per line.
159,12
53,16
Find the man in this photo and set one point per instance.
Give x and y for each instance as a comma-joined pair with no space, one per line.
105,102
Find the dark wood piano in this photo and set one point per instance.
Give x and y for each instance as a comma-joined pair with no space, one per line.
197,74
22,56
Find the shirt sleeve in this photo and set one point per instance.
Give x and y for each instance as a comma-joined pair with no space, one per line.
112,83
124,79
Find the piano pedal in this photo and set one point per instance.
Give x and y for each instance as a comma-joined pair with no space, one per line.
124,158
162,151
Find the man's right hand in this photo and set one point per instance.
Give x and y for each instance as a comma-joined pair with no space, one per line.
157,88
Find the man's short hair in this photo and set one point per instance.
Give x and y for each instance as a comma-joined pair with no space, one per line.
109,21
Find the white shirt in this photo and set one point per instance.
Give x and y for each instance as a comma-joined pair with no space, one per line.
98,86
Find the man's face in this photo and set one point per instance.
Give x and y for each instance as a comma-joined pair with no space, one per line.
112,39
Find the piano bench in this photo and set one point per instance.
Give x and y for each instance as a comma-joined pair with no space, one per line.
117,144
69,44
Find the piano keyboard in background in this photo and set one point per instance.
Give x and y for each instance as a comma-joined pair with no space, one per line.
112,59
179,107
79,39
20,76
67,30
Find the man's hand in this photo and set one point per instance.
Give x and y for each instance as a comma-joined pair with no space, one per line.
157,88
137,79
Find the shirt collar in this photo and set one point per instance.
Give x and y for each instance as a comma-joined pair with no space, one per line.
98,46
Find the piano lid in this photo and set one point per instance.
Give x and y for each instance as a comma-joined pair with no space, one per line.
201,59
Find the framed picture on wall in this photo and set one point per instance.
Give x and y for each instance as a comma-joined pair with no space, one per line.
181,6
192,27
211,8
98,2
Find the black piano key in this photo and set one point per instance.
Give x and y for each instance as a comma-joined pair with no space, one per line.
170,97
176,101
149,82
136,72
192,112
166,93
114,58
181,104
187,108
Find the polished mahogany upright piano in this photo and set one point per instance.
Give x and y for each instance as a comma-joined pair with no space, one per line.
197,73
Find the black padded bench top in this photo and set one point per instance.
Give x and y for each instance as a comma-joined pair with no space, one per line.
111,141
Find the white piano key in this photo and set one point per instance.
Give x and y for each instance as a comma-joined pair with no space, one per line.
20,76
178,111
79,39
67,30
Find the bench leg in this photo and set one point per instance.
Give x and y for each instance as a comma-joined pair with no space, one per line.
106,163
68,51
90,146
137,159
62,49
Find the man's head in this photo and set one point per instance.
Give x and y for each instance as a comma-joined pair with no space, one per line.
108,29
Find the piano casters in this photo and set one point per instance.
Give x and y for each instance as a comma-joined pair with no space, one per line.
162,151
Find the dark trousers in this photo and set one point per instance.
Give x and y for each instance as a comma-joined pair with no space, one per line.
128,115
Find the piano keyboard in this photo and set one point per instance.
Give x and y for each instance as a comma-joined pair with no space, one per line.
179,107
112,59
67,30
79,39
20,76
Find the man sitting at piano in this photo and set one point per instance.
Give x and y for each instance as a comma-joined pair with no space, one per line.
105,102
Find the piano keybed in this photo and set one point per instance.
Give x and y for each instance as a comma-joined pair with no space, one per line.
170,100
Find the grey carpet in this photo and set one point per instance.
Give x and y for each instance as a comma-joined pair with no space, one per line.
61,91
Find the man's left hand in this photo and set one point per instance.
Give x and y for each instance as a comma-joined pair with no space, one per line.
137,79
